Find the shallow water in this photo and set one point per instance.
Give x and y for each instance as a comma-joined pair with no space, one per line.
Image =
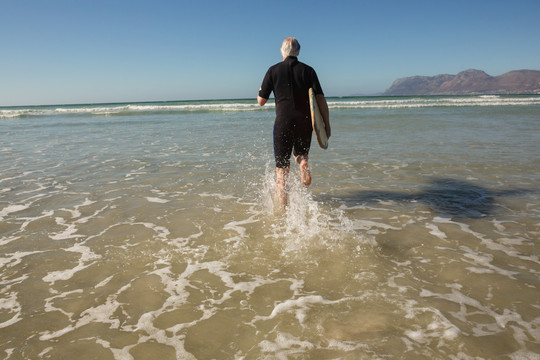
151,231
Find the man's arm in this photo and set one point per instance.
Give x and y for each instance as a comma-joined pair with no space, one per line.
323,108
261,100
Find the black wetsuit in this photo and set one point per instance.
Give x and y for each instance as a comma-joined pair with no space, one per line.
290,81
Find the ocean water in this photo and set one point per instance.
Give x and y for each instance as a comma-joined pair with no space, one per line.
150,231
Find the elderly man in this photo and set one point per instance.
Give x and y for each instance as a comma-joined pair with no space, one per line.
290,81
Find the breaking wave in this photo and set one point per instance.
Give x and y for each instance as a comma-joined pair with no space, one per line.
220,106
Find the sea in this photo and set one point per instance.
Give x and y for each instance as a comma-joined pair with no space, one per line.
152,231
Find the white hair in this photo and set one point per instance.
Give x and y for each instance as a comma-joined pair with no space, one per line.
290,47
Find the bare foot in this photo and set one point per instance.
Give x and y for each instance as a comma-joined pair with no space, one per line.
305,173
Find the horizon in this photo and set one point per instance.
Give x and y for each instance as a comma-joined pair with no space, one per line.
272,96
65,53
382,94
427,97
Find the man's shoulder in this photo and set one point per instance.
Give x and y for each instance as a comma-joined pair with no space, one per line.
306,66
276,65
284,64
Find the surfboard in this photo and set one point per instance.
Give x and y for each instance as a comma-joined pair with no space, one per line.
317,121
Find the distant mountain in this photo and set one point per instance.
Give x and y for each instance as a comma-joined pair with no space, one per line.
469,82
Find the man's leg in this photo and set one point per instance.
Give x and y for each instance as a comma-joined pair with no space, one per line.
282,186
305,173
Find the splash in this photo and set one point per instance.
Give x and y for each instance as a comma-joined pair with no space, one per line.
307,223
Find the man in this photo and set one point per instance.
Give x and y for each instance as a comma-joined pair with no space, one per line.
290,81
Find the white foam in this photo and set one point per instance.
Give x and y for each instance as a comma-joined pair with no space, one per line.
524,355
68,233
101,313
85,219
157,200
219,196
87,258
435,231
162,232
16,258
439,328
285,345
104,282
243,106
299,305
491,244
54,334
9,302
196,107
12,209
107,110
426,102
373,227
6,240
49,307
236,226
392,283
500,319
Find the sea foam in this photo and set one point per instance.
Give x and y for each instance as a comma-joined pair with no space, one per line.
224,106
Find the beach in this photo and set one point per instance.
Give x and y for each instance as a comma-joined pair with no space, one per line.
150,230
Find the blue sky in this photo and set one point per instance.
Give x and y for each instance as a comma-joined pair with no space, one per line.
83,51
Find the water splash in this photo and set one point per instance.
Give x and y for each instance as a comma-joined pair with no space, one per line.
307,224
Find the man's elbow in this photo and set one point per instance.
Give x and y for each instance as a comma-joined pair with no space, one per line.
261,100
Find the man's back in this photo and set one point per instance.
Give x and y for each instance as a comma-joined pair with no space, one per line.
290,81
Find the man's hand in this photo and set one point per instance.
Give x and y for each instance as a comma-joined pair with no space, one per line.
261,100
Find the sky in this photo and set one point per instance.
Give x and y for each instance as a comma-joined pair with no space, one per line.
96,51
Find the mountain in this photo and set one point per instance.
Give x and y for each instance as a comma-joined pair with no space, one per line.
468,82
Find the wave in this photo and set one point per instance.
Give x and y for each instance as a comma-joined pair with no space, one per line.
128,109
426,102
251,105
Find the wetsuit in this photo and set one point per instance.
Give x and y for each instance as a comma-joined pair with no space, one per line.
290,81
